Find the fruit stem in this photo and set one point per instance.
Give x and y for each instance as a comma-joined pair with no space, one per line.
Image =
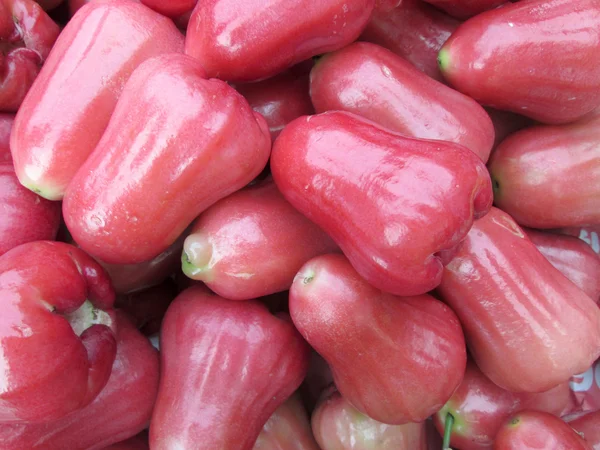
447,431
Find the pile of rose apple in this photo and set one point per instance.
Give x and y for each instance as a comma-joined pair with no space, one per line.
300,188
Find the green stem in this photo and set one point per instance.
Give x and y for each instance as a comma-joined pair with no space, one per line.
447,431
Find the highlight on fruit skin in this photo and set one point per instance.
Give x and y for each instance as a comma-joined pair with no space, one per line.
532,430
345,283
516,58
337,424
370,338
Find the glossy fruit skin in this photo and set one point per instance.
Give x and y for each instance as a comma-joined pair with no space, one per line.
25,216
530,430
337,425
130,278
549,176
413,30
245,41
386,353
55,131
463,9
279,99
121,410
288,428
574,258
557,401
170,8
252,244
56,333
223,363
389,201
480,407
526,325
171,138
589,426
372,82
546,82
27,35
